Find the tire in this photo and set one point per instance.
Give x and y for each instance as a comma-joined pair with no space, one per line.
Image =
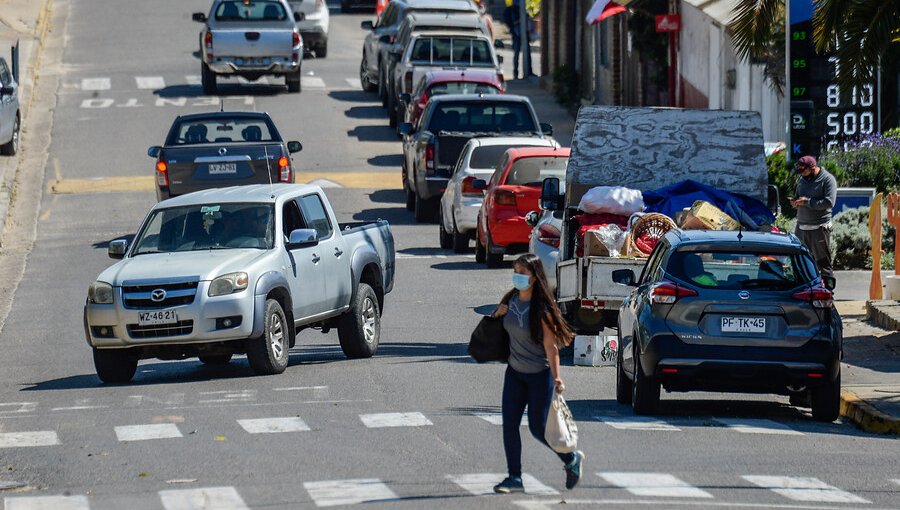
268,354
493,260
382,87
460,242
208,80
623,383
392,114
322,50
11,148
826,400
359,329
423,209
217,359
480,252
293,82
446,240
410,196
367,85
115,365
645,389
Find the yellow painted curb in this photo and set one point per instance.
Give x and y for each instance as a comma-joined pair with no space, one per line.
866,417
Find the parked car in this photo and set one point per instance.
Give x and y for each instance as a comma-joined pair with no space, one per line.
383,32
250,40
10,116
432,147
462,199
729,311
437,83
221,149
546,229
513,192
238,271
348,5
313,25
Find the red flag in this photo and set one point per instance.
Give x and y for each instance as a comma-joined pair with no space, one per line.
603,9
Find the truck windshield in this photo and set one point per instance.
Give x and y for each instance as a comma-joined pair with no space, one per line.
505,117
221,130
532,171
207,227
254,10
741,271
451,51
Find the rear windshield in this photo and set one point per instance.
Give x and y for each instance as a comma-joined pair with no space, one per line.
736,271
207,227
486,158
254,10
533,171
504,117
462,87
222,130
452,51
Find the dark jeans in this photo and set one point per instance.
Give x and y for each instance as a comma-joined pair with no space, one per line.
519,390
818,242
526,63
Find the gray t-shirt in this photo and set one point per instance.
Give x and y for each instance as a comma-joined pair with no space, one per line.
822,193
525,355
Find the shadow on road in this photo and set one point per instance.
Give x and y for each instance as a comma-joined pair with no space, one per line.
224,90
388,196
391,160
355,96
102,245
373,134
365,112
394,215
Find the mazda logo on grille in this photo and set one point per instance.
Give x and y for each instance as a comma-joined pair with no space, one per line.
744,294
158,295
222,151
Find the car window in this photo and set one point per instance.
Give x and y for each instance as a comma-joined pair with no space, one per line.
462,87
291,218
733,270
315,215
222,130
652,264
5,75
487,157
506,117
257,10
451,51
498,171
206,227
388,17
532,171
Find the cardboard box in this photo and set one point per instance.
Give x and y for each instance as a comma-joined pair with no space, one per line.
595,350
593,246
705,216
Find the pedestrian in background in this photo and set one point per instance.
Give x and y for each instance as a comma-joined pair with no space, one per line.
536,330
816,194
512,18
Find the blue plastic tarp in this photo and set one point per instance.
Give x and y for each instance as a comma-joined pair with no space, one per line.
671,199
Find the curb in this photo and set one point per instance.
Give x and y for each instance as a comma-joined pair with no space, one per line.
885,313
866,416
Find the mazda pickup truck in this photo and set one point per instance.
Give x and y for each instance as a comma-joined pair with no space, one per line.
238,270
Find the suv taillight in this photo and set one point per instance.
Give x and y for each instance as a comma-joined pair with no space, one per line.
819,296
208,41
295,41
549,235
429,158
284,169
667,293
162,173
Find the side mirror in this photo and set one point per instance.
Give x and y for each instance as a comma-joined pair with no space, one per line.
367,25
385,39
395,52
624,277
299,16
154,151
294,146
117,249
499,44
405,98
199,17
830,282
479,184
773,200
532,218
547,128
405,128
302,237
7,90
551,200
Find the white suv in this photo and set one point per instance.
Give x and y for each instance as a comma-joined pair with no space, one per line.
313,24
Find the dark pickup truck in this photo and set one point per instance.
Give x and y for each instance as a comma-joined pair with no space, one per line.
221,149
432,147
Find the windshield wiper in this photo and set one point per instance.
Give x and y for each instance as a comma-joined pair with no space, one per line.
146,252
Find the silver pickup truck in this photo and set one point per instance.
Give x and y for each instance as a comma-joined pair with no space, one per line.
251,40
238,271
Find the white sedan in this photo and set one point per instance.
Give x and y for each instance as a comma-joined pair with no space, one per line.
464,194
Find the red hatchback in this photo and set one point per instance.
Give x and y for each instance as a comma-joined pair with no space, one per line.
435,83
514,191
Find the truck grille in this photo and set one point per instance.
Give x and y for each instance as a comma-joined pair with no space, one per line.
141,294
161,330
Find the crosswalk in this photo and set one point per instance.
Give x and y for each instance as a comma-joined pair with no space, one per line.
161,83
664,487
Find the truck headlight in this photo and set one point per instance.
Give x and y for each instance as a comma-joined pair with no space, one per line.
228,284
100,293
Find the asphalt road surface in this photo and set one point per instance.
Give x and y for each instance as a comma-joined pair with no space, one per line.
414,427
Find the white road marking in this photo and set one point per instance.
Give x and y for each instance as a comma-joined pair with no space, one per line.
173,399
480,484
218,498
28,439
354,82
17,407
348,492
78,408
273,425
757,426
312,82
324,183
661,485
537,504
298,388
804,489
150,82
193,79
636,423
95,84
145,432
227,396
46,503
394,420
897,481
497,418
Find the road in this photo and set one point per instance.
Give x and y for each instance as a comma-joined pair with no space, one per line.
415,426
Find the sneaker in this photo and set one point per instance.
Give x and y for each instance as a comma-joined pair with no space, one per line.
573,470
510,484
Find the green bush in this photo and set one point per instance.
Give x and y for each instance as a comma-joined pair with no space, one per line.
870,161
565,85
781,175
851,241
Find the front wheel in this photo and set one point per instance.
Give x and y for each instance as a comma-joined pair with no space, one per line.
208,80
367,85
359,329
644,388
826,400
268,354
443,236
623,384
11,147
115,365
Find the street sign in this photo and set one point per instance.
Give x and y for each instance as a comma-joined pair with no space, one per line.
668,23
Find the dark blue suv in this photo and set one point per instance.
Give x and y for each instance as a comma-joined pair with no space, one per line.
729,311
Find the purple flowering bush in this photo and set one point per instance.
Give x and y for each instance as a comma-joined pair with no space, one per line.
868,161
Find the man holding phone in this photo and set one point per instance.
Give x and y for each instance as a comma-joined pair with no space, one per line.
816,194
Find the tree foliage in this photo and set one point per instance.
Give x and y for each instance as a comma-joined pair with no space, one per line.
757,30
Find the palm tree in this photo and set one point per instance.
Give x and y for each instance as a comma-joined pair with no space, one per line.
757,30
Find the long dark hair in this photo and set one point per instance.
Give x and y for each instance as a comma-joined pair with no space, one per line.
543,308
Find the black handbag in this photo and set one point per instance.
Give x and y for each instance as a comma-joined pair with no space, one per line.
489,341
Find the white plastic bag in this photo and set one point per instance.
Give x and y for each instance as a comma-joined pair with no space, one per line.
561,433
612,200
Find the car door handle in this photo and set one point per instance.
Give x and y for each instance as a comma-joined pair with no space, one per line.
316,258
338,252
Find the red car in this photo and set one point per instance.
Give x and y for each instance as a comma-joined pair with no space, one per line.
514,191
435,83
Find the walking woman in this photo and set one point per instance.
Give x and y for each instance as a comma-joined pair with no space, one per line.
536,330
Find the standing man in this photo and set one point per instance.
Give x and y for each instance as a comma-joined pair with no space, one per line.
816,194
512,16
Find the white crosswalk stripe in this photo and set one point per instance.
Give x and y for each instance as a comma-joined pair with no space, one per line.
661,485
800,488
325,183
26,439
145,432
312,82
46,503
897,481
354,83
757,426
95,84
273,425
497,418
150,82
193,79
219,498
480,484
636,423
348,492
382,420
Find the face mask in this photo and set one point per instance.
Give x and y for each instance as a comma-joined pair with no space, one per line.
521,281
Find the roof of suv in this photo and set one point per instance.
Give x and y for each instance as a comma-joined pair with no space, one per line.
474,98
729,240
455,5
445,19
